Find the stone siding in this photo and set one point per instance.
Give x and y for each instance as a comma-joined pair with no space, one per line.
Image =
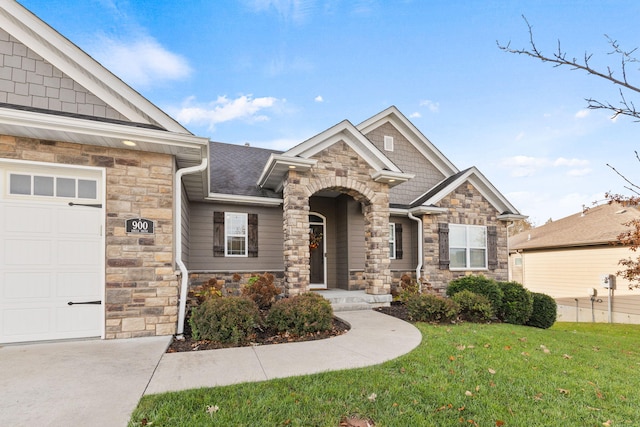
339,168
141,284
465,206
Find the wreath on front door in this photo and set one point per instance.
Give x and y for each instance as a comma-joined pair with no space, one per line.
314,240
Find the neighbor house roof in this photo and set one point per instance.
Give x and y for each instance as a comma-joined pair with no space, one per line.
599,225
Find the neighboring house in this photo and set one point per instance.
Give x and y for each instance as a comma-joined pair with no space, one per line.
109,204
568,257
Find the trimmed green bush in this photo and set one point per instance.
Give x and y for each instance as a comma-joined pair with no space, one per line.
473,307
517,303
431,308
480,285
544,311
300,315
227,320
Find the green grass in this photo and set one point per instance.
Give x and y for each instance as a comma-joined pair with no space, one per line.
460,375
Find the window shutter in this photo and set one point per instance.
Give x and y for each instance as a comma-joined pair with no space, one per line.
218,234
398,238
443,240
492,247
252,219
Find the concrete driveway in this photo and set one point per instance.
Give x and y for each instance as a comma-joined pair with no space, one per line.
73,383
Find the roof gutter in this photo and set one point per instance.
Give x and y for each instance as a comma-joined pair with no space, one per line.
184,287
420,246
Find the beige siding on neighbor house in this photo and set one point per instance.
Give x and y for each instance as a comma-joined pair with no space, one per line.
270,240
567,273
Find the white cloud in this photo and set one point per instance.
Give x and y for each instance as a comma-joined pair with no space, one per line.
140,62
295,11
433,107
318,98
561,161
579,172
223,109
415,115
522,166
582,114
520,136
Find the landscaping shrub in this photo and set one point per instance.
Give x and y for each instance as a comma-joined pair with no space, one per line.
480,285
473,307
517,303
431,308
205,291
300,315
227,320
408,287
544,311
261,290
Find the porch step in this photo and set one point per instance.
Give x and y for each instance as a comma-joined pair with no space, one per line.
342,300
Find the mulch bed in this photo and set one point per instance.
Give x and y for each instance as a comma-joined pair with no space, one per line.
267,336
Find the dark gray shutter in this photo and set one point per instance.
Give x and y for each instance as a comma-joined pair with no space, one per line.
253,235
398,237
492,247
218,234
443,245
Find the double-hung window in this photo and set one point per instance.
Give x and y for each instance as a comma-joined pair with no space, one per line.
392,241
467,246
236,234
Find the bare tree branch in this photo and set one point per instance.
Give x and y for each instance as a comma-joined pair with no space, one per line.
559,58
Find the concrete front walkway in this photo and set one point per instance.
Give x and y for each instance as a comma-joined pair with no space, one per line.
99,383
374,338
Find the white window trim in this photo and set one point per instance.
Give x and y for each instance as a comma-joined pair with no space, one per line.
392,240
227,222
468,248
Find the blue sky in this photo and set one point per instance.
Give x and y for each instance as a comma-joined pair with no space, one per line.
276,72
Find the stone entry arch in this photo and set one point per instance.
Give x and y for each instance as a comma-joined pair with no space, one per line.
374,198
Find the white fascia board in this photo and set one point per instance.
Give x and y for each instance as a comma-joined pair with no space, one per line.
244,200
413,135
428,210
344,131
77,64
97,128
511,217
480,182
391,178
277,163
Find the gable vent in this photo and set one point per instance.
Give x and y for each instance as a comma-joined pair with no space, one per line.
388,143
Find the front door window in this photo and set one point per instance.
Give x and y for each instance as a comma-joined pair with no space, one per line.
317,249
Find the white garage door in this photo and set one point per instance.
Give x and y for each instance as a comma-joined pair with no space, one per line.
51,256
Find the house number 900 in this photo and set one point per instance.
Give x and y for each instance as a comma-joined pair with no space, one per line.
139,226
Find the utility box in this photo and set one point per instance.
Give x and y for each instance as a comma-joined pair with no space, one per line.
608,281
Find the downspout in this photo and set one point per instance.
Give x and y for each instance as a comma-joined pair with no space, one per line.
509,255
184,287
420,246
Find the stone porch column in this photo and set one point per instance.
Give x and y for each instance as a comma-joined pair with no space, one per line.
377,272
296,236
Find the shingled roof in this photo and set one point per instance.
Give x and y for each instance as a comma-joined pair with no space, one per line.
235,169
599,225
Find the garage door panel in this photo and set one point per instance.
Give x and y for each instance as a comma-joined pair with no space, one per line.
82,320
77,252
30,285
24,219
26,252
79,285
79,221
23,321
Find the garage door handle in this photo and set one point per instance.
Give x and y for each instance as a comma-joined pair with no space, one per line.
86,302
91,205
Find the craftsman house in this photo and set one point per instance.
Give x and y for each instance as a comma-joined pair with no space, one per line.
110,209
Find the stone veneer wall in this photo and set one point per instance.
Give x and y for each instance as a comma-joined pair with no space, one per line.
339,168
465,206
141,285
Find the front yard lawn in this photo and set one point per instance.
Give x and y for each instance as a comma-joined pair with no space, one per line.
460,375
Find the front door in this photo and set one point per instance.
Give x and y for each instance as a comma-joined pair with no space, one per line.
317,252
